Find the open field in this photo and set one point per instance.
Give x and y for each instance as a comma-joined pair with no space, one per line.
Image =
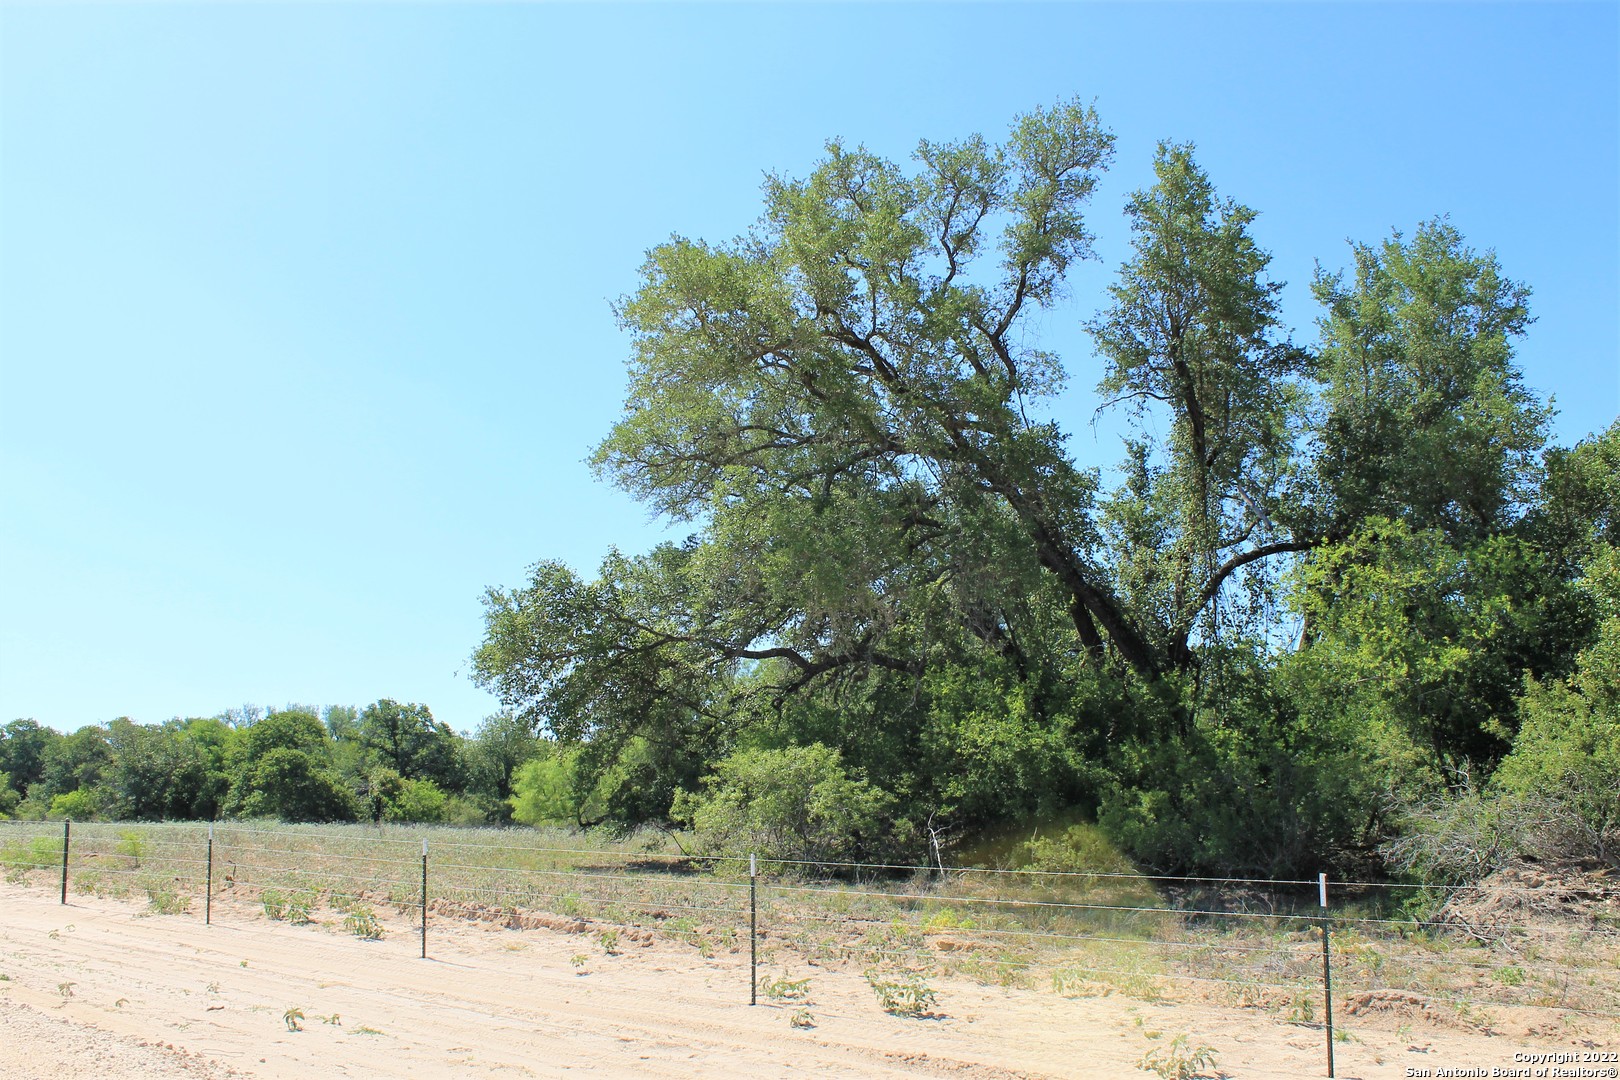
544,961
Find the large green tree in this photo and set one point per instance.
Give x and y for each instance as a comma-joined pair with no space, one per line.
895,555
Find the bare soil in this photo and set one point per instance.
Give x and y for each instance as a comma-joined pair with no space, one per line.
100,987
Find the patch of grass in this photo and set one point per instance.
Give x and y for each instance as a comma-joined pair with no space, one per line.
35,854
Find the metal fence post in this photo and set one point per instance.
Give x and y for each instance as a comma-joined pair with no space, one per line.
424,899
1327,971
67,833
208,885
753,931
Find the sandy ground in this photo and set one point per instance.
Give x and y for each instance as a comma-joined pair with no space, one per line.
100,988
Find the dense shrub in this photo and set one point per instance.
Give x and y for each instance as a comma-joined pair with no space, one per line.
794,803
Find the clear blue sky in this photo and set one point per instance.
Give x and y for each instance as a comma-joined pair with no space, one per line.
304,309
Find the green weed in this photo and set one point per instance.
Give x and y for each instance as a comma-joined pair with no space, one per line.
908,996
1179,1059
131,844
786,989
164,899
362,923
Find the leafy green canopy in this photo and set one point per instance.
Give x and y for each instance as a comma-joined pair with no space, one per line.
895,556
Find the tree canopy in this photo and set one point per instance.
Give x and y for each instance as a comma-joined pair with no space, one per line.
895,555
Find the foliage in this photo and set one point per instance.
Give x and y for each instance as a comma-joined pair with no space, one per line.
783,988
1180,1059
905,995
83,804
23,753
492,758
794,803
1429,421
40,852
1458,836
543,788
73,762
1567,754
293,906
1338,603
362,922
407,740
1315,590
396,798
1080,848
294,786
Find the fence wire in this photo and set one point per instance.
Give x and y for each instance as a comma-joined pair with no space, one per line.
1076,931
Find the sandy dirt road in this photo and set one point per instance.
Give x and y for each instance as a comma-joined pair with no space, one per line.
99,988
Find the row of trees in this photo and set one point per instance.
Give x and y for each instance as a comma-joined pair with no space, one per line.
385,762
1330,593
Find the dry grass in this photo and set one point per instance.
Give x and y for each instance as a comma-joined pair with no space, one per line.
1465,957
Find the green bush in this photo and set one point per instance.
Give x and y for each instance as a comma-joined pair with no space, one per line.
543,788
417,800
793,803
82,805
1078,849
1566,756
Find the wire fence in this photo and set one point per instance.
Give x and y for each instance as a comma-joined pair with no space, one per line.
1298,948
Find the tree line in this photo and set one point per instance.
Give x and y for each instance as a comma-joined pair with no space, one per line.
385,762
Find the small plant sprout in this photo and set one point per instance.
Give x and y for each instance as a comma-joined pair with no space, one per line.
801,1018
120,1003
786,989
293,1018
609,940
1178,1059
65,989
579,960
335,1020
